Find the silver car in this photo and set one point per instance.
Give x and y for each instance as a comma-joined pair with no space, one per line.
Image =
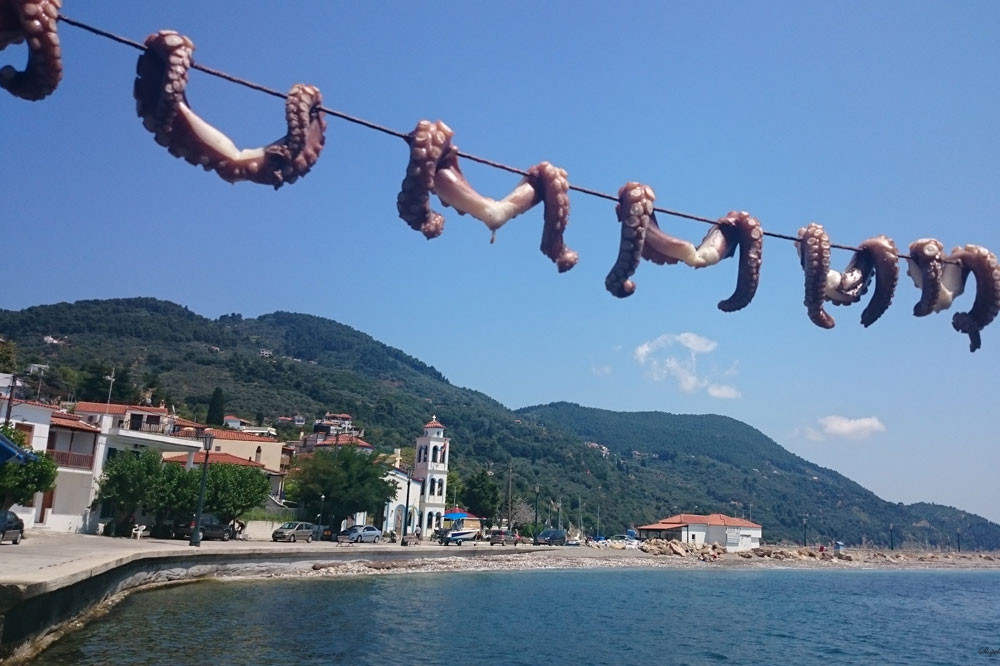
360,534
293,531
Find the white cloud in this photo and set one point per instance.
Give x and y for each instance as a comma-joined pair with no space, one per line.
601,370
683,370
724,391
841,426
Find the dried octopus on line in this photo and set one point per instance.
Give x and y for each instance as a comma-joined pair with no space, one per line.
876,257
641,237
35,21
159,91
434,167
942,279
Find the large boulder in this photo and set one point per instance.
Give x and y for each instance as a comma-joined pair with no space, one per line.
677,549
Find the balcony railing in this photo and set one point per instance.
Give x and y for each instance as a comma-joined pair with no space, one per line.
159,428
77,460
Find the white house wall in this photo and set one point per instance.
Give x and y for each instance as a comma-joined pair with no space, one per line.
69,501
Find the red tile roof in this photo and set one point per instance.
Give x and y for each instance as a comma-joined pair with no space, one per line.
433,423
215,458
343,439
182,422
115,408
72,422
695,519
32,403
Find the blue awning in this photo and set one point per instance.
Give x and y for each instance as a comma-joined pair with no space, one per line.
455,516
11,452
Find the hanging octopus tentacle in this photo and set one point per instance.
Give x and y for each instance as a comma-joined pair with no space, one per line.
635,213
735,229
428,144
434,167
159,91
553,182
876,257
983,264
939,282
741,228
35,21
926,268
814,254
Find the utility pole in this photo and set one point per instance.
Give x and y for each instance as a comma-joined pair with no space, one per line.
598,533
579,501
804,519
111,378
559,509
510,473
892,545
535,535
958,535
10,398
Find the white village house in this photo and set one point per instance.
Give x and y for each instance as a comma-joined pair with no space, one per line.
734,533
81,443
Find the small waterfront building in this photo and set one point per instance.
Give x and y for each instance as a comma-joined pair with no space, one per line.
734,533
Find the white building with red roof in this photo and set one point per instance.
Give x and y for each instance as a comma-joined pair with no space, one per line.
734,533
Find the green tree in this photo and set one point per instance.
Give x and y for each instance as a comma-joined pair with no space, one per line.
19,483
172,493
232,490
216,408
127,483
350,480
8,357
456,489
482,495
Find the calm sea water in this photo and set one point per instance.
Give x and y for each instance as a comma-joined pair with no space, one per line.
583,616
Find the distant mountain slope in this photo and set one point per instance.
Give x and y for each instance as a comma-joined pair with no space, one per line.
718,463
703,463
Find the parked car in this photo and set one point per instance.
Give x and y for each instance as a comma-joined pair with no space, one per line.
551,537
293,531
360,534
211,528
501,536
12,529
627,538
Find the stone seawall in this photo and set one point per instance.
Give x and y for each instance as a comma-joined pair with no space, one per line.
31,614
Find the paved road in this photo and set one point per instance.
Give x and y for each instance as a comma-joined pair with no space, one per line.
44,556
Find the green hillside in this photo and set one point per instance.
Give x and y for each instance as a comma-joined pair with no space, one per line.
715,463
163,351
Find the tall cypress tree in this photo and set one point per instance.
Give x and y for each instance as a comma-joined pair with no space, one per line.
216,408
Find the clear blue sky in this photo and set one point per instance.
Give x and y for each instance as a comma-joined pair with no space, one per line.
866,117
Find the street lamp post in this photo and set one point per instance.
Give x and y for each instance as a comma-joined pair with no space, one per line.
406,516
892,544
958,535
322,500
206,443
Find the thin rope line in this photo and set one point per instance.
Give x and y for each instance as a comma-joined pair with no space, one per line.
402,135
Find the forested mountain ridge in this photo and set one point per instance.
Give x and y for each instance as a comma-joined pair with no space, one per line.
163,351
719,462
